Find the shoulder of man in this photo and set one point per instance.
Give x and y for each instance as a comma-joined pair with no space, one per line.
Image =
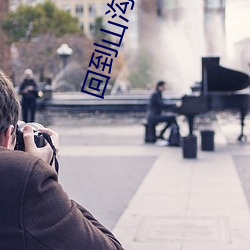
157,95
154,94
16,166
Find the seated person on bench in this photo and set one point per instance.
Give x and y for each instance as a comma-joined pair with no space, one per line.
155,107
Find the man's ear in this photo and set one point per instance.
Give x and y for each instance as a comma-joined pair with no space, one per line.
7,139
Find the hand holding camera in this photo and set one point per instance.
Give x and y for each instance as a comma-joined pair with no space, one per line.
41,142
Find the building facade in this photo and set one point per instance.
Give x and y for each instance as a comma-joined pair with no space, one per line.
85,10
88,10
147,10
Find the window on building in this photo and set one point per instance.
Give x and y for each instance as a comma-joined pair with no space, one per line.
79,10
214,4
91,27
92,10
160,7
82,26
67,8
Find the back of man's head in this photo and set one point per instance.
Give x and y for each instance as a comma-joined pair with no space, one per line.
9,104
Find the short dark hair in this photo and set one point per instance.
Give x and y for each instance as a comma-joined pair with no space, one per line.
159,84
9,104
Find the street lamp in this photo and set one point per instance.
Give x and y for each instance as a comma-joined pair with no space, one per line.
64,51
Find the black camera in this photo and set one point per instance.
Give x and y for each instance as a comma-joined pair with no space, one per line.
38,137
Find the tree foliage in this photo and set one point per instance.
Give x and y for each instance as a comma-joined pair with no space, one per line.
40,54
42,18
98,35
141,76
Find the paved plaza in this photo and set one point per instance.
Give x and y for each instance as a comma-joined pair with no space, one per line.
149,195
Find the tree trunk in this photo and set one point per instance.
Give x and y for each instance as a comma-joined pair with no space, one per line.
5,58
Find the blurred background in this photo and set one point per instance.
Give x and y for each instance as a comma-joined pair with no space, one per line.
165,40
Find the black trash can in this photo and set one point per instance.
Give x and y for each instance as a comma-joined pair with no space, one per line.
189,147
150,133
207,140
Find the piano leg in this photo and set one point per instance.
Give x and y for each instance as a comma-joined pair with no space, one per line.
190,123
243,114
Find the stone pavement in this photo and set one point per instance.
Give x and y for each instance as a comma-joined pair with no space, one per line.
189,204
175,203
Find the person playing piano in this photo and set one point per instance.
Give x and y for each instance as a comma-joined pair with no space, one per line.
155,107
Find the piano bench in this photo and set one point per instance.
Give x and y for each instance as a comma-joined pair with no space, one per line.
150,132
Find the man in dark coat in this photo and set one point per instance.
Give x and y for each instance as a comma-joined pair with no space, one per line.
35,212
155,107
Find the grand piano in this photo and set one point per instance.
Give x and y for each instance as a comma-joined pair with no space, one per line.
220,89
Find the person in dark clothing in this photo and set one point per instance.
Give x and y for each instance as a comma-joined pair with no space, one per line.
35,212
29,91
155,107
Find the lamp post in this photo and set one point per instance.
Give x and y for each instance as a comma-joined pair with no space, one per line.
64,51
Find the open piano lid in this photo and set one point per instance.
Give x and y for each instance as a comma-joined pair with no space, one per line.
218,78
